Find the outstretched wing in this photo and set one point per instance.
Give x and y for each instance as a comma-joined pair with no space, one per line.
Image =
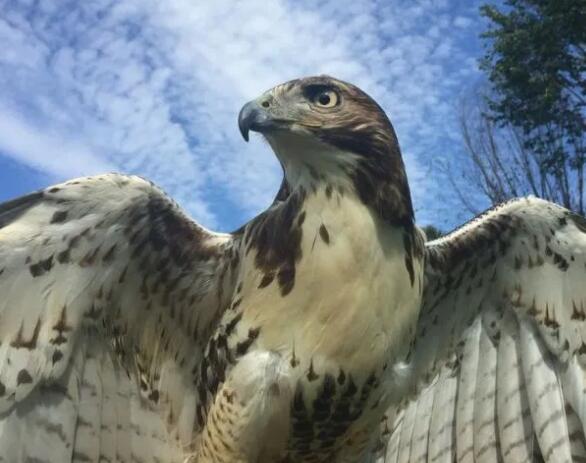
108,295
500,353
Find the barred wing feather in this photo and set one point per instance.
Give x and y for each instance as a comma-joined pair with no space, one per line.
108,295
501,343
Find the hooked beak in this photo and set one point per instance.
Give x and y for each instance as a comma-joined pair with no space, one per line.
253,117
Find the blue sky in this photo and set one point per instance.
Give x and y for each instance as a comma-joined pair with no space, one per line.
153,87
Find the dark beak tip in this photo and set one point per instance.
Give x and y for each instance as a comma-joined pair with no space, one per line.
244,133
246,119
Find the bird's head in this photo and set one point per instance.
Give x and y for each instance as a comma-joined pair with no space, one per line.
326,131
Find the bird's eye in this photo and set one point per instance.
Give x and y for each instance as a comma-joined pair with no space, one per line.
326,99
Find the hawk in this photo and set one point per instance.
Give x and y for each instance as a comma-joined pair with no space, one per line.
324,330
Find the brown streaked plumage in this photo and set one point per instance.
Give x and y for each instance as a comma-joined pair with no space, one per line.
130,333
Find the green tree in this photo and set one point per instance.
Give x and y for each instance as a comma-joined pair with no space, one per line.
432,232
536,63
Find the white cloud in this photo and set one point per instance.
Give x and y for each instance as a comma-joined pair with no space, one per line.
154,86
46,151
463,22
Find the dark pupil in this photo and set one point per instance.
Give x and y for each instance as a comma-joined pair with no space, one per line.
324,99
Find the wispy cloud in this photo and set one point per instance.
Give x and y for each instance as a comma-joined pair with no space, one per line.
154,87
45,150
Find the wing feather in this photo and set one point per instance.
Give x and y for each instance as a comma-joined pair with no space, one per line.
109,291
89,418
545,398
420,438
109,417
574,389
506,295
576,435
515,429
485,436
404,451
466,389
441,430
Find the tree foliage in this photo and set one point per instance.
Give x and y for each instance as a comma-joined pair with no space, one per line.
432,232
535,61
